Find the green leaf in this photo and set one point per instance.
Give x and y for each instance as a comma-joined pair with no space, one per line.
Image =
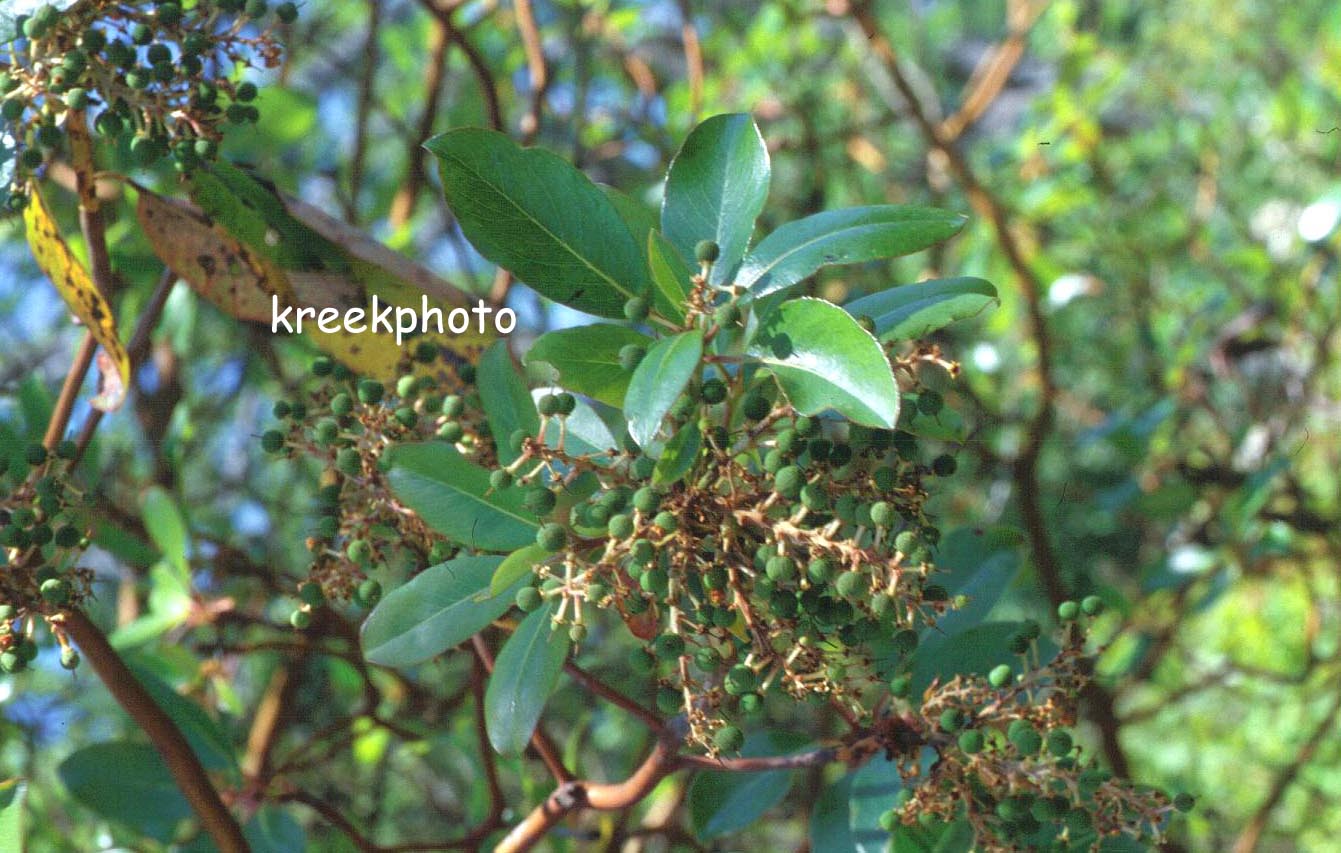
658,380
439,608
531,213
912,311
525,674
980,564
871,793
854,235
516,566
587,358
824,360
670,277
166,527
830,818
127,783
273,830
452,495
976,649
715,189
13,792
722,802
507,402
678,456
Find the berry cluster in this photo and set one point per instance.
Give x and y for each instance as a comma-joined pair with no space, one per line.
348,423
158,78
41,541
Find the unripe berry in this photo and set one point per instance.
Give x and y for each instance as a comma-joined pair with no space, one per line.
882,514
1092,605
756,406
668,646
312,594
669,700
707,251
850,584
348,461
272,441
56,591
1068,611
631,355
528,599
551,537
369,592
451,431
636,309
713,391
900,686
1059,743
944,465
820,570
1184,802
951,720
286,12
972,741
666,521
620,526
540,500
728,739
1000,675
739,679
780,568
300,619
69,658
787,482
370,391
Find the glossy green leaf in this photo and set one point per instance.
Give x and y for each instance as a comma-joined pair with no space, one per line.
830,818
505,398
912,311
824,360
535,215
452,495
678,456
853,235
587,358
658,380
13,792
715,189
525,674
439,608
870,794
722,802
127,783
516,566
975,649
164,523
670,277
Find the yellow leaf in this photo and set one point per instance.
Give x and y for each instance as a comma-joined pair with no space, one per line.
87,303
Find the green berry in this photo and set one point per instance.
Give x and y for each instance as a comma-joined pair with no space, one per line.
1068,611
1000,675
358,550
312,594
246,91
636,309
272,441
287,12
12,662
349,461
900,685
666,521
972,741
728,739
740,679
368,593
35,454
713,391
1060,743
501,478
820,570
943,465
850,584
646,500
300,619
620,526
540,500
256,8
528,599
780,568
451,431
69,658
1026,740
668,646
883,514
756,406
951,720
631,355
787,482
814,497
668,701
707,251
55,591
549,405
1184,802
1092,605
551,537
370,391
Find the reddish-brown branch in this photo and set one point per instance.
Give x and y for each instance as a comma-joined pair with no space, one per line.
613,696
990,77
538,74
182,763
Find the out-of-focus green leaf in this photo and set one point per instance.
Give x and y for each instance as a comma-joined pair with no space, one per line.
506,401
912,311
722,802
452,495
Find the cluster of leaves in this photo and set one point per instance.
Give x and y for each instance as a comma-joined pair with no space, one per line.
156,78
742,479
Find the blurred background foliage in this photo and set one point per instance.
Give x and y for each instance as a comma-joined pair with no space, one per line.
1165,178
